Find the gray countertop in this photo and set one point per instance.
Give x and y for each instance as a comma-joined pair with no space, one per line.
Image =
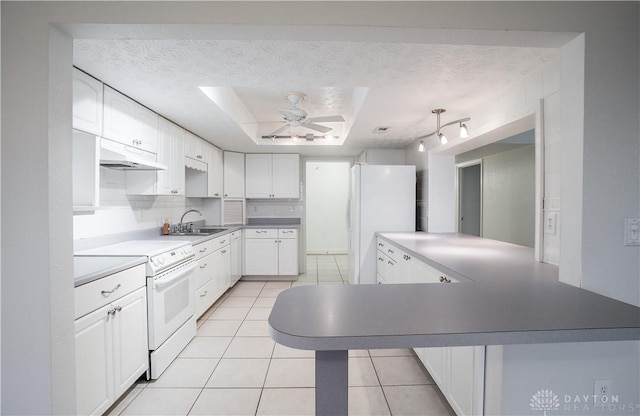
88,269
512,300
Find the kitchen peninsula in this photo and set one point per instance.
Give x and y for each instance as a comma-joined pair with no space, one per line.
504,297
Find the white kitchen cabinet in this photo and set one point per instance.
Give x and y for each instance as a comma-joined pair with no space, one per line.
272,176
213,272
85,171
465,379
214,171
458,371
271,252
111,339
170,148
171,153
194,147
235,272
233,174
87,103
128,122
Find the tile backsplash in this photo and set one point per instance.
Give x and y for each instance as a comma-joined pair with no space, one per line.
274,209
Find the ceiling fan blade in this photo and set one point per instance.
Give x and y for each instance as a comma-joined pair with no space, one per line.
280,130
294,113
316,127
326,119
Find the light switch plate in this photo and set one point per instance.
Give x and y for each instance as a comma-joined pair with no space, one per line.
632,231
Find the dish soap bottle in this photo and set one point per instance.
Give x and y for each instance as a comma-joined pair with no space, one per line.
165,227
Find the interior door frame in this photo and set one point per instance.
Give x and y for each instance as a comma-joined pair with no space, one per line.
459,167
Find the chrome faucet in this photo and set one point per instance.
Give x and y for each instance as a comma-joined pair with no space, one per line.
180,226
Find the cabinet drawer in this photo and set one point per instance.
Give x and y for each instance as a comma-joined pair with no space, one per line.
393,252
287,233
221,241
261,233
204,249
94,295
204,272
205,297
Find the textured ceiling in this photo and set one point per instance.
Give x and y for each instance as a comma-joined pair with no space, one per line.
370,83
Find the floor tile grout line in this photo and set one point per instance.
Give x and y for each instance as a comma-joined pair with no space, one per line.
380,383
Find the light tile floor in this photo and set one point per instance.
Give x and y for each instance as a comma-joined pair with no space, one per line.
232,367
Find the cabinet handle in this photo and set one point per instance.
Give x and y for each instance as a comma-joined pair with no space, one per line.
199,156
216,194
390,251
390,263
111,311
223,241
118,308
287,232
226,194
380,245
202,250
223,251
380,258
445,279
204,294
108,292
203,266
260,232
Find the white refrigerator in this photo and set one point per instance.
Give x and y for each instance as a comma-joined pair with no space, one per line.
382,199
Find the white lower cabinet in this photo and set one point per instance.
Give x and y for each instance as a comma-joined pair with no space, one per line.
236,257
111,350
458,371
271,252
213,272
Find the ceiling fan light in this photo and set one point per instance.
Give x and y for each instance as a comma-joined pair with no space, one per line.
421,146
464,131
442,138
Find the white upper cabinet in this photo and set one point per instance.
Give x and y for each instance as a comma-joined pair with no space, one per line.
171,139
214,171
195,147
128,122
272,176
233,175
87,103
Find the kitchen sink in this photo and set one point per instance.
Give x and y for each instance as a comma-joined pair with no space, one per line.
200,232
193,233
211,230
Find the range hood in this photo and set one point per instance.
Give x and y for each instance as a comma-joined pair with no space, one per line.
122,157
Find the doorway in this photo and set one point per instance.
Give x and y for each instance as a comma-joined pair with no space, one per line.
470,198
327,195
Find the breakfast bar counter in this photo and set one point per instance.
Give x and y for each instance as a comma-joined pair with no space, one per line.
485,311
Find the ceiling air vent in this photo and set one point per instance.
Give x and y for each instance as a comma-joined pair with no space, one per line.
381,130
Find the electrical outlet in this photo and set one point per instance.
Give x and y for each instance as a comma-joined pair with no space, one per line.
602,388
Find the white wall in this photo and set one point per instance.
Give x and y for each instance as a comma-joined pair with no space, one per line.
37,366
327,186
382,157
508,188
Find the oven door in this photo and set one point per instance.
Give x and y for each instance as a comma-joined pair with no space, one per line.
171,301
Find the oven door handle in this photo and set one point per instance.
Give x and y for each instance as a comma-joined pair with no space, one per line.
167,280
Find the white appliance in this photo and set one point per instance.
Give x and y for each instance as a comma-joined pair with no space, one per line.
170,295
382,199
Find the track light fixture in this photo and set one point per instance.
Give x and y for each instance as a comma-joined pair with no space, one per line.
464,131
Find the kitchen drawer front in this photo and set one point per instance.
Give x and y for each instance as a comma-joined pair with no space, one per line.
204,249
205,297
382,245
221,241
261,233
287,233
236,234
204,272
393,252
96,294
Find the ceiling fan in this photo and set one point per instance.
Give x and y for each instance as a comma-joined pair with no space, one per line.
297,117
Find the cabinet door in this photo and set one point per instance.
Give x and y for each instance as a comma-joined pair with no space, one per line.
171,153
261,256
221,271
87,103
119,118
465,379
233,175
194,147
258,176
214,171
434,360
236,257
130,346
286,176
288,256
146,125
94,365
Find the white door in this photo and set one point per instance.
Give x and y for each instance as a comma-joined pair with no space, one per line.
171,153
214,171
119,118
258,176
286,176
146,124
470,200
